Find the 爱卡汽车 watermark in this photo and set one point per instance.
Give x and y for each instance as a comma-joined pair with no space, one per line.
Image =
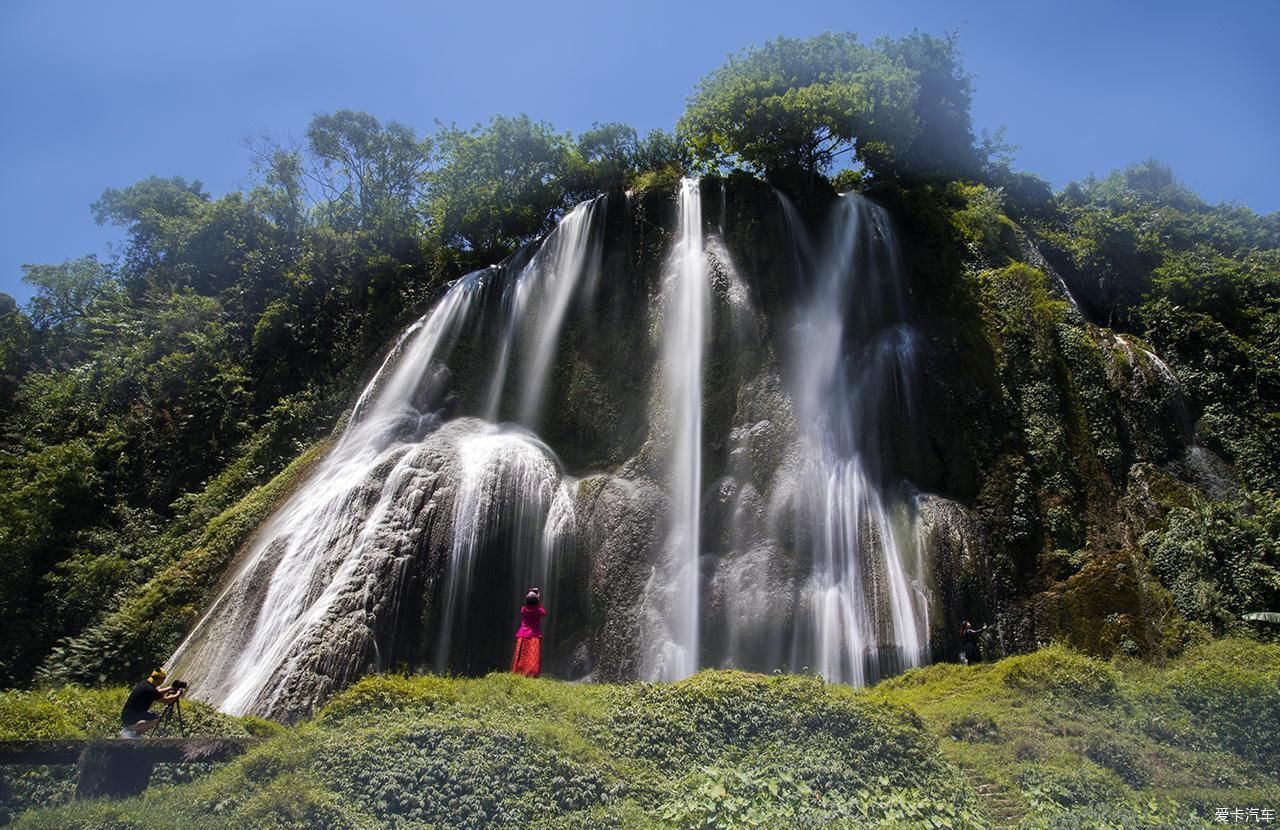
1244,815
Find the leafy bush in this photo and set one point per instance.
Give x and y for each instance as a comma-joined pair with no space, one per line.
1231,688
1050,787
1117,757
721,748
1220,559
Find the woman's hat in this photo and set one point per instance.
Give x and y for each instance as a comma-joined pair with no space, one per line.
157,676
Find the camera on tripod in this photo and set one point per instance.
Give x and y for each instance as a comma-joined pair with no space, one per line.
173,708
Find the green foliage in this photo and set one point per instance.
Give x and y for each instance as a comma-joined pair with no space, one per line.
72,712
76,712
800,104
61,304
975,728
375,173
898,107
149,621
1231,689
505,751
981,222
663,154
157,214
1220,559
141,399
1138,236
1089,744
944,145
1232,386
499,186
1121,745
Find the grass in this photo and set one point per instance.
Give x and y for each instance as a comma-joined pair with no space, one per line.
1052,739
1056,733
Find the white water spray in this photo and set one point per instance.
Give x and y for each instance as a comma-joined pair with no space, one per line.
673,593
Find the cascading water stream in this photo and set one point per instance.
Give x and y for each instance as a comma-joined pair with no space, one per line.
509,489
317,573
565,267
673,593
853,360
310,547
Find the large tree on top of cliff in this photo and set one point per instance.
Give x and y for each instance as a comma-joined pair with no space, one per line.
896,106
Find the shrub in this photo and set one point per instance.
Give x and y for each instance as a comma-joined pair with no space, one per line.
1238,706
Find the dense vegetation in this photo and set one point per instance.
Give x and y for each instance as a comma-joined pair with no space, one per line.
154,405
1052,739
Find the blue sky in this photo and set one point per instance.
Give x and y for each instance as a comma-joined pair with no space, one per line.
96,95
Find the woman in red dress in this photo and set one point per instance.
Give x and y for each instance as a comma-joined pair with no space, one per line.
528,657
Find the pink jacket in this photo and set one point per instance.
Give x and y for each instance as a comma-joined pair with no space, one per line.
531,621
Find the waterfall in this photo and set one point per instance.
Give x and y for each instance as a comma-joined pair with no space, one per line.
331,581
673,591
308,551
853,361
566,266
755,522
510,496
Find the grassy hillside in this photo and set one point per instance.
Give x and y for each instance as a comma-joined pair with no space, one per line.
1052,739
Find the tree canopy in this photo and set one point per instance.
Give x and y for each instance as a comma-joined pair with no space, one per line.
500,185
374,174
895,107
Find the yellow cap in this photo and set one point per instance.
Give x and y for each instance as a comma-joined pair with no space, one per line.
157,676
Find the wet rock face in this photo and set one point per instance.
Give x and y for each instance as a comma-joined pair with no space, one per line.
623,524
361,583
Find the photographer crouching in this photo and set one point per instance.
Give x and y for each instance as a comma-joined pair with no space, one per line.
137,718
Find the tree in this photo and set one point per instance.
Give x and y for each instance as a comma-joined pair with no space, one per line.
157,214
499,186
799,104
63,293
943,145
609,153
661,150
63,309
372,175
15,342
282,193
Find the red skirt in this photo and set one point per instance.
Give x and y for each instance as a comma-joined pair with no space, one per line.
528,657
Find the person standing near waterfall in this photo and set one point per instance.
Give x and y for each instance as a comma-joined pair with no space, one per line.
970,654
528,657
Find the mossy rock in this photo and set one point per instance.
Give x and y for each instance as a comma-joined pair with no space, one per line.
1109,607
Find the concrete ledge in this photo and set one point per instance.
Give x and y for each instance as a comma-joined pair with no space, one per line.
120,767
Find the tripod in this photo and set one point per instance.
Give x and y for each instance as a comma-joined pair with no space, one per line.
172,708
